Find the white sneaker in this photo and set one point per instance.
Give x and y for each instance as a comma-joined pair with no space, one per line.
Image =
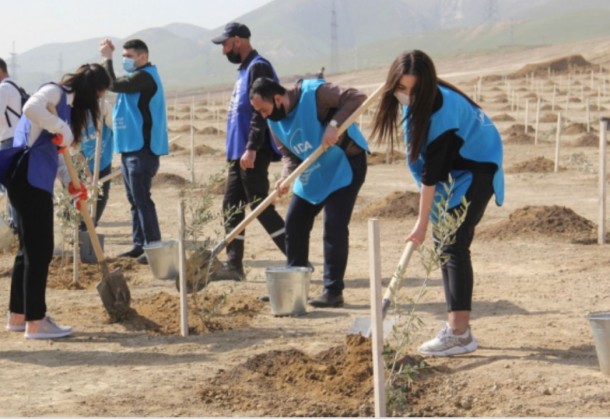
49,330
14,327
448,344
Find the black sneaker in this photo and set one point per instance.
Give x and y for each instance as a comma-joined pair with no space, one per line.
136,252
142,260
327,300
229,272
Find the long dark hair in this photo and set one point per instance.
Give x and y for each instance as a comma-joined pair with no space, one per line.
86,82
385,123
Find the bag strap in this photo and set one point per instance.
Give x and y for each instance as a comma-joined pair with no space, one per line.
8,108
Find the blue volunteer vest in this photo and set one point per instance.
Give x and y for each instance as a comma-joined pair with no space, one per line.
43,160
301,132
88,145
482,143
127,120
240,112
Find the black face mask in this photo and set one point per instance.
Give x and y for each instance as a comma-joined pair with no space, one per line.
278,113
234,57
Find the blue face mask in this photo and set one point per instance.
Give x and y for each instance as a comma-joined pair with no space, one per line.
129,65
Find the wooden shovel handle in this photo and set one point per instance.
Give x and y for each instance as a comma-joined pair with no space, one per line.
397,276
95,241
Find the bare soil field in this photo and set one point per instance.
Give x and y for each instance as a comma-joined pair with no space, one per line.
538,273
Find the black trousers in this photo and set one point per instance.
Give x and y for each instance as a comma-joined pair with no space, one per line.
458,277
338,209
250,187
34,213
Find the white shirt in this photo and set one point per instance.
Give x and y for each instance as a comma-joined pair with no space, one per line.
37,111
9,96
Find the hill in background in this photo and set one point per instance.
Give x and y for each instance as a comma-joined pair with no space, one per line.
296,36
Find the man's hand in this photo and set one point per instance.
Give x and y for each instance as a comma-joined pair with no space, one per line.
247,160
330,137
106,48
281,190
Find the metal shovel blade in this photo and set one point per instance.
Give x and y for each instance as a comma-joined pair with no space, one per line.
362,326
115,294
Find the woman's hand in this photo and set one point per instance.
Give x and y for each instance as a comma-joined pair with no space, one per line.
418,234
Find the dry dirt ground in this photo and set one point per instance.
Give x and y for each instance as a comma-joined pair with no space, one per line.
538,274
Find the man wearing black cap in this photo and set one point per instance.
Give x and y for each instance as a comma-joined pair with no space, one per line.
250,149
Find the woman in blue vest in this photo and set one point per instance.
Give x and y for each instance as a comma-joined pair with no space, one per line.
302,119
446,135
88,151
55,116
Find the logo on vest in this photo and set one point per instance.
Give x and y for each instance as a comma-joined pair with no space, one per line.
298,145
307,173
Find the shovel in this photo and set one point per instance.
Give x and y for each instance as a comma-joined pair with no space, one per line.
112,287
362,325
273,195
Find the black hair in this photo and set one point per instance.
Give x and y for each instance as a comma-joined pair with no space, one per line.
86,83
137,45
416,63
3,65
266,88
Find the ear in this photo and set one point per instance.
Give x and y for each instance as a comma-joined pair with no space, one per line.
277,100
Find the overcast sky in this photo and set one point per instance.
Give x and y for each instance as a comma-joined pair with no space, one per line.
31,23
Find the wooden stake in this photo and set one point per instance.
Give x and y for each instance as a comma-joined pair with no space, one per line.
588,115
376,319
75,255
184,322
537,121
601,222
557,142
527,110
553,100
193,141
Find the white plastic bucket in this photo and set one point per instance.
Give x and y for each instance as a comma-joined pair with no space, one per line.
288,290
600,325
163,258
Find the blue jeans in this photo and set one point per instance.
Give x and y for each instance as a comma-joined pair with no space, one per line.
138,169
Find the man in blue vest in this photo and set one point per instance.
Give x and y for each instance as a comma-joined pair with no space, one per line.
303,119
249,150
140,135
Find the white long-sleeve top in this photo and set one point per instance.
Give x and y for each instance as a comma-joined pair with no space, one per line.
9,96
37,111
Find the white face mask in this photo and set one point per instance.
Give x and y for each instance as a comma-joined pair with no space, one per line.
403,98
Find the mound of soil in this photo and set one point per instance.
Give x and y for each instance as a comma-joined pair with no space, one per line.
552,221
203,150
61,272
169,180
383,158
395,205
208,312
549,107
501,98
558,66
209,131
515,134
535,165
181,128
504,117
587,140
336,382
574,129
549,117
